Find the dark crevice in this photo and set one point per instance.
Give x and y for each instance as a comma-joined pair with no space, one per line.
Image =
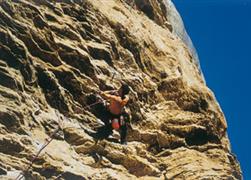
15,56
51,90
13,25
188,99
28,74
69,175
101,53
3,171
10,119
41,42
87,27
114,50
15,47
176,144
67,31
9,57
10,146
7,7
154,148
50,17
39,22
36,51
162,7
69,82
127,42
80,14
48,172
83,34
197,106
199,137
8,81
146,8
80,61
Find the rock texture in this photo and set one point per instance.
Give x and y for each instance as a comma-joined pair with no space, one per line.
56,54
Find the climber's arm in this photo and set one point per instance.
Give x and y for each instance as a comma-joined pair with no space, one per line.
123,102
107,95
110,92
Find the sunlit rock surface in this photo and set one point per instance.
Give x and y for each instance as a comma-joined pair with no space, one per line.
55,54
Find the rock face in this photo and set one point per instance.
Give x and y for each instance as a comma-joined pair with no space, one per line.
56,54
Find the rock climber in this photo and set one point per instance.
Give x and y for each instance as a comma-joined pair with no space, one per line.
114,115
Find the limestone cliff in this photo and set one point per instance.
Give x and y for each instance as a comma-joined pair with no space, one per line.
56,54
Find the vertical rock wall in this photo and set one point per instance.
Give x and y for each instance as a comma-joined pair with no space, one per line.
54,55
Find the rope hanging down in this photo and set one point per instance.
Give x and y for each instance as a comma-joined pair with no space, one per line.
49,140
46,143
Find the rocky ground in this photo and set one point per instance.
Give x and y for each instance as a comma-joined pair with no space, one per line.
56,54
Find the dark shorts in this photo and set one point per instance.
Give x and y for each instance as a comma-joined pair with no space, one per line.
108,117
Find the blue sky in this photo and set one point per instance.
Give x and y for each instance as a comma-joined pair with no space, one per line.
221,33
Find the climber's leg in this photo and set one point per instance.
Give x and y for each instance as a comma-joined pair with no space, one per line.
124,122
104,131
123,134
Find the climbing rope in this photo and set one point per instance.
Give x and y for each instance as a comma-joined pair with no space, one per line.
46,143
